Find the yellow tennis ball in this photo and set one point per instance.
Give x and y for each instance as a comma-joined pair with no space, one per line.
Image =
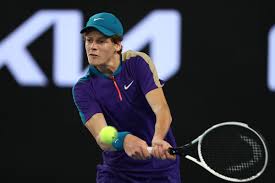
107,134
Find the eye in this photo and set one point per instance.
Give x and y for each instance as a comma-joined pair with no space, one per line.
88,40
100,41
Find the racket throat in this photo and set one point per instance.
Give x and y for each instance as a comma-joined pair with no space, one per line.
182,150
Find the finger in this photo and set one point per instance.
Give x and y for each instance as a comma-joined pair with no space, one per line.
133,154
146,154
138,155
142,156
159,152
155,152
142,151
163,154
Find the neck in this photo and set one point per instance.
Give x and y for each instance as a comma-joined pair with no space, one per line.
110,67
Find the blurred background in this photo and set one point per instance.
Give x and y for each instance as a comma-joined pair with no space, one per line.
217,57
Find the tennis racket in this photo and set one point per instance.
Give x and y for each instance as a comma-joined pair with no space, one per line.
230,150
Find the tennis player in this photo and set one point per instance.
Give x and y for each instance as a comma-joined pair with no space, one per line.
123,90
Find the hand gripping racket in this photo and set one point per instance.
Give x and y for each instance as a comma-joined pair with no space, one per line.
230,150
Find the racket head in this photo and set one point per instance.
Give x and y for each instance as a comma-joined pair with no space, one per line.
233,151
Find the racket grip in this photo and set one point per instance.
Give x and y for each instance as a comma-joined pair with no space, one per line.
149,149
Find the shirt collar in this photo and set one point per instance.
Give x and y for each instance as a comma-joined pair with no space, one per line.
94,71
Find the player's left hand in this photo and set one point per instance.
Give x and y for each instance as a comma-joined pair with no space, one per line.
160,149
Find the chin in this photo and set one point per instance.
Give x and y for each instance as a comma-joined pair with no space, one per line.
93,62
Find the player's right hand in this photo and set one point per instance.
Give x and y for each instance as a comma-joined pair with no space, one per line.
136,148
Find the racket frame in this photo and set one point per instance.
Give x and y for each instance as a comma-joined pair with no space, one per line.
202,163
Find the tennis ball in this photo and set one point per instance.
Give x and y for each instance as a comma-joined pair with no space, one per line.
107,134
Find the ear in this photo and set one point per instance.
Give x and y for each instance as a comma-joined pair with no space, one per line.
118,46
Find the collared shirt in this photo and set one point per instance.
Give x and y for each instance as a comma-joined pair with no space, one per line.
121,99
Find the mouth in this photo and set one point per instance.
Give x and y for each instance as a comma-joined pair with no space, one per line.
93,55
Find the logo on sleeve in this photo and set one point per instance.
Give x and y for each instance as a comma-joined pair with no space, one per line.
126,87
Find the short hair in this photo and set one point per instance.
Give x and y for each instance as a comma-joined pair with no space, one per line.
117,39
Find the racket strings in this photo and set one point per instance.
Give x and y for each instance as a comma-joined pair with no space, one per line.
233,151
257,154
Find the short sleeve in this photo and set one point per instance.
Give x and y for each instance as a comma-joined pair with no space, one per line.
146,73
85,102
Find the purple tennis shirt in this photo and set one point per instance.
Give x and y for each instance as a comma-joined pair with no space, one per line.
121,99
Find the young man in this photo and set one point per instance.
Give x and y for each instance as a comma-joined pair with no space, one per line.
124,91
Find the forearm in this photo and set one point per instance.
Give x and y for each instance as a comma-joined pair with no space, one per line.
159,143
158,103
95,125
163,122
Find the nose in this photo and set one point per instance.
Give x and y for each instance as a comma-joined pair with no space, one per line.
93,46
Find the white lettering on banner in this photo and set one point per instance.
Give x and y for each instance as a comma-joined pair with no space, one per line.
67,45
162,30
67,48
271,60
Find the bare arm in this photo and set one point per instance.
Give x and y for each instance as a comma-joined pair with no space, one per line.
158,103
160,107
133,146
94,125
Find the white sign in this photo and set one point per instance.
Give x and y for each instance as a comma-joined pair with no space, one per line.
271,60
160,29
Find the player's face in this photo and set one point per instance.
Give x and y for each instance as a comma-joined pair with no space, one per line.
100,50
